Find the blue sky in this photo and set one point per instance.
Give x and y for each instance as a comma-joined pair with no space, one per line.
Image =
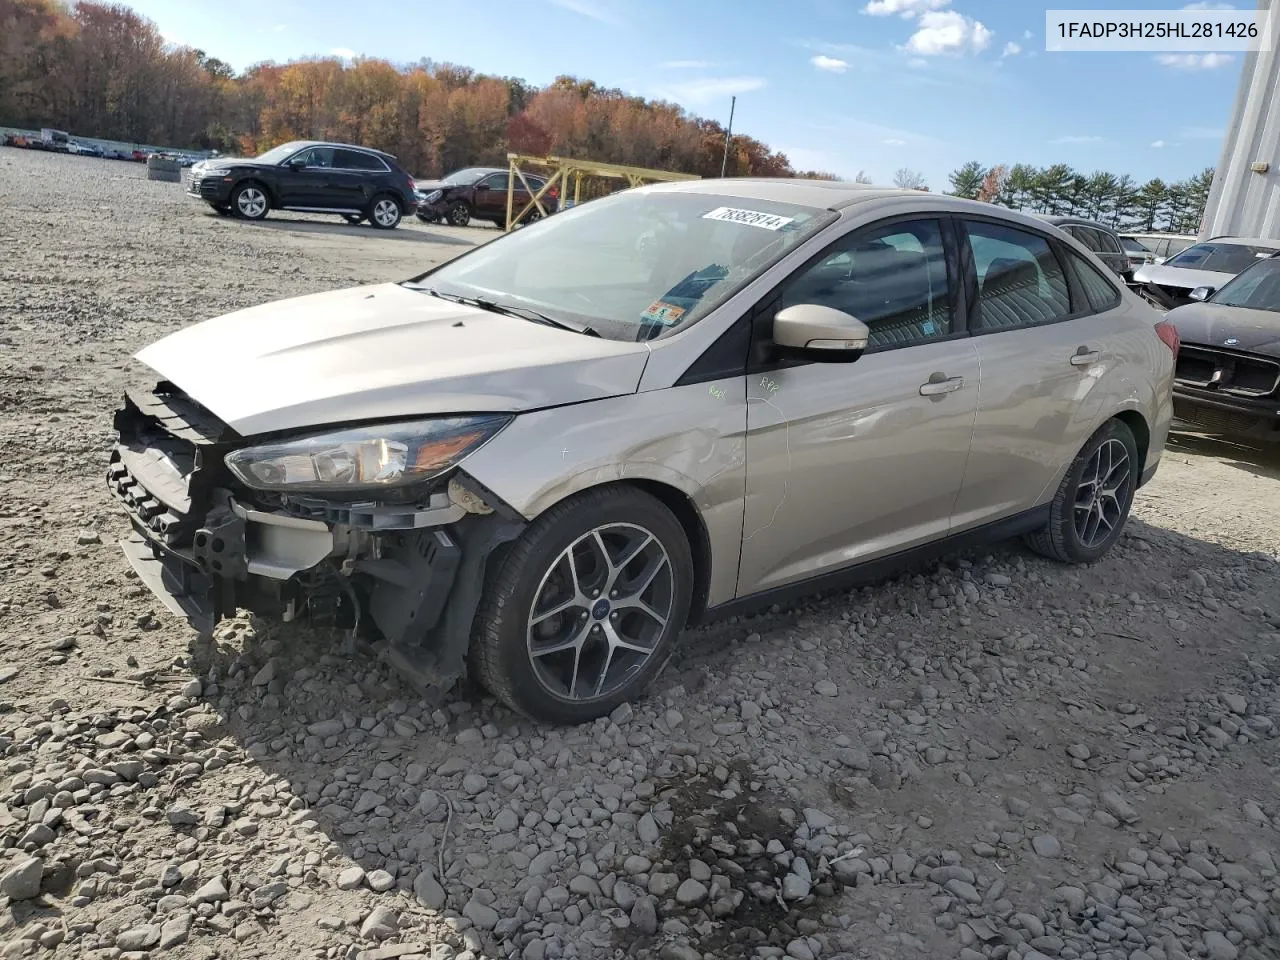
839,85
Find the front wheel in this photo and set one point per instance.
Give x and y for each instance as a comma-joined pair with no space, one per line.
385,213
250,201
583,610
1089,511
459,214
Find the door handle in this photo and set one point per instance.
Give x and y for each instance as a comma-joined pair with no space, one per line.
1084,356
940,386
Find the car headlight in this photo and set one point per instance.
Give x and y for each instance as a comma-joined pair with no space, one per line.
371,457
433,196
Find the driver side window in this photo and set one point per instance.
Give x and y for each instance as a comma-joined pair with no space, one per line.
892,278
316,157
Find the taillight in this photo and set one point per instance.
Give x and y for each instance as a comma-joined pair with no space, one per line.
554,193
1168,333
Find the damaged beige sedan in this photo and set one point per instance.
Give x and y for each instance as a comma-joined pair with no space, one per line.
541,461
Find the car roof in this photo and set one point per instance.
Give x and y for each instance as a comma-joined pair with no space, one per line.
835,195
303,144
1249,241
1058,220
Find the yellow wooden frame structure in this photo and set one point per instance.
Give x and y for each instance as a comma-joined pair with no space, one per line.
564,169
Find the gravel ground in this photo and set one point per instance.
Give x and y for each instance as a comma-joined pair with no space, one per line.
995,757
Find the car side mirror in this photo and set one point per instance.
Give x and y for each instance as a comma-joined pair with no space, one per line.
1158,260
1202,293
815,332
296,164
482,186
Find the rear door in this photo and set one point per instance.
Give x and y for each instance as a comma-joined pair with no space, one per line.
847,462
1044,341
355,179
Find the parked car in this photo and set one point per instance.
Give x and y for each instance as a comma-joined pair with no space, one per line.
1209,264
85,149
1162,245
480,193
355,182
1227,379
1138,254
541,460
1099,239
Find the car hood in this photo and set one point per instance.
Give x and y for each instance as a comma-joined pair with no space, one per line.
1182,277
384,351
1240,328
426,186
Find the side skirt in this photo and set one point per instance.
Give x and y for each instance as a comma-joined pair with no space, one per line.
882,567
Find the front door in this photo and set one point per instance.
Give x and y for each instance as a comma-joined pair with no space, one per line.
849,462
303,179
491,198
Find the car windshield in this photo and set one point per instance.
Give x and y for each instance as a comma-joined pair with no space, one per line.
463,178
1133,246
1218,257
276,154
632,266
1257,288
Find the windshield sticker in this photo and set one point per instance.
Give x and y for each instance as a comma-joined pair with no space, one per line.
667,314
752,218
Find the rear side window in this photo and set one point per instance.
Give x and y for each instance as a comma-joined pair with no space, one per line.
355,160
1102,295
1109,243
1020,281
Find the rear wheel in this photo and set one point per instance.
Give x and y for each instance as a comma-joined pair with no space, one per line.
1089,511
459,214
583,610
384,212
250,201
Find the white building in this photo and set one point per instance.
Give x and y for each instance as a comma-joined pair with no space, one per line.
1244,200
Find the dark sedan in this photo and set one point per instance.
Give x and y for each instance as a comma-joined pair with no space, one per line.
1227,379
1102,241
480,193
354,182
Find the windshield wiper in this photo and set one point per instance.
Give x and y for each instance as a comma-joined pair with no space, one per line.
511,310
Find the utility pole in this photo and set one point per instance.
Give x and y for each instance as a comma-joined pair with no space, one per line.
728,135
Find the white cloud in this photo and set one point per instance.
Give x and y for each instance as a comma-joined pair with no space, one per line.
830,64
279,27
1011,49
1194,61
684,64
1027,34
1208,5
894,142
945,31
906,8
1157,144
711,89
916,63
346,53
591,9
1076,139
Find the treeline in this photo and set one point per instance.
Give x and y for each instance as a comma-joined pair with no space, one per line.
102,70
1107,197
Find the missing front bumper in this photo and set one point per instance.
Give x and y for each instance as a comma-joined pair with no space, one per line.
181,587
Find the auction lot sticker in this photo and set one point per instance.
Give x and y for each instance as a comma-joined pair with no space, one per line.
752,218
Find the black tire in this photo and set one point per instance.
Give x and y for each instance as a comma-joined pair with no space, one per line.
1062,537
245,201
384,212
459,214
500,656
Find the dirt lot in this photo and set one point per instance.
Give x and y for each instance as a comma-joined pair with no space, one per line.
996,757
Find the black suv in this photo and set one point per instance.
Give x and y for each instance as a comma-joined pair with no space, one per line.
1102,241
355,182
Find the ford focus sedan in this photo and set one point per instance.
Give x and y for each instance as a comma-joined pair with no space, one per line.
539,462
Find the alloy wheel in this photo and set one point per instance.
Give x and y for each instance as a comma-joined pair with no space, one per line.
251,202
600,611
385,212
1102,496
